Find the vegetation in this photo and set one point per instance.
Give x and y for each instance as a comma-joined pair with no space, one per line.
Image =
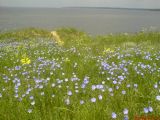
85,78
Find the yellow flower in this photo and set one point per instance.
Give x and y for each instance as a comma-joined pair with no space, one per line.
107,50
25,60
67,60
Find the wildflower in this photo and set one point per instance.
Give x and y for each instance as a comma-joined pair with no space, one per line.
100,97
29,110
126,118
146,110
31,97
53,85
16,95
128,85
123,92
93,87
67,101
114,115
66,79
110,89
93,99
17,67
0,95
53,95
150,109
42,93
40,86
67,60
155,86
33,103
25,60
114,82
158,97
125,111
81,102
107,50
69,93
135,85
76,91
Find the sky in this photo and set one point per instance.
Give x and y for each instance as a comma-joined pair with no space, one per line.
82,3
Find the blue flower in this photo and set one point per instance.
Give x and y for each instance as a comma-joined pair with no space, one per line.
114,115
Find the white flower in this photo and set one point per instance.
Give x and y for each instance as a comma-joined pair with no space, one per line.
114,115
155,86
158,97
67,101
66,79
0,95
53,85
123,92
33,103
128,85
29,110
110,89
100,97
150,109
93,99
81,102
125,111
42,93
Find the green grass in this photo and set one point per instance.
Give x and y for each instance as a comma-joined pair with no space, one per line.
112,63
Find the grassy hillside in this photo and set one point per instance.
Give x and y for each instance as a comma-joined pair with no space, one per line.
85,78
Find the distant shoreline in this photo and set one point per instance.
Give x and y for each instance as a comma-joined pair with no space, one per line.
117,8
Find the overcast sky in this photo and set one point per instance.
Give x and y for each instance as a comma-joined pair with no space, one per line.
85,3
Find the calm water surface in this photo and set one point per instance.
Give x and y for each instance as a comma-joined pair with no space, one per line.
91,20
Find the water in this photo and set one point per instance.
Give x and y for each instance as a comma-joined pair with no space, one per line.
90,20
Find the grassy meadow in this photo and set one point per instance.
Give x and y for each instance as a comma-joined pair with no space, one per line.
79,77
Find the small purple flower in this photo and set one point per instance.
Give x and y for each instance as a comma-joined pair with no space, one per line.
31,97
81,102
146,110
155,86
128,85
123,92
93,87
93,100
150,109
0,95
135,85
17,67
158,97
29,111
114,82
100,97
114,115
110,89
69,93
125,111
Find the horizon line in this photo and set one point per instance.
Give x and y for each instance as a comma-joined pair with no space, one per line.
132,8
